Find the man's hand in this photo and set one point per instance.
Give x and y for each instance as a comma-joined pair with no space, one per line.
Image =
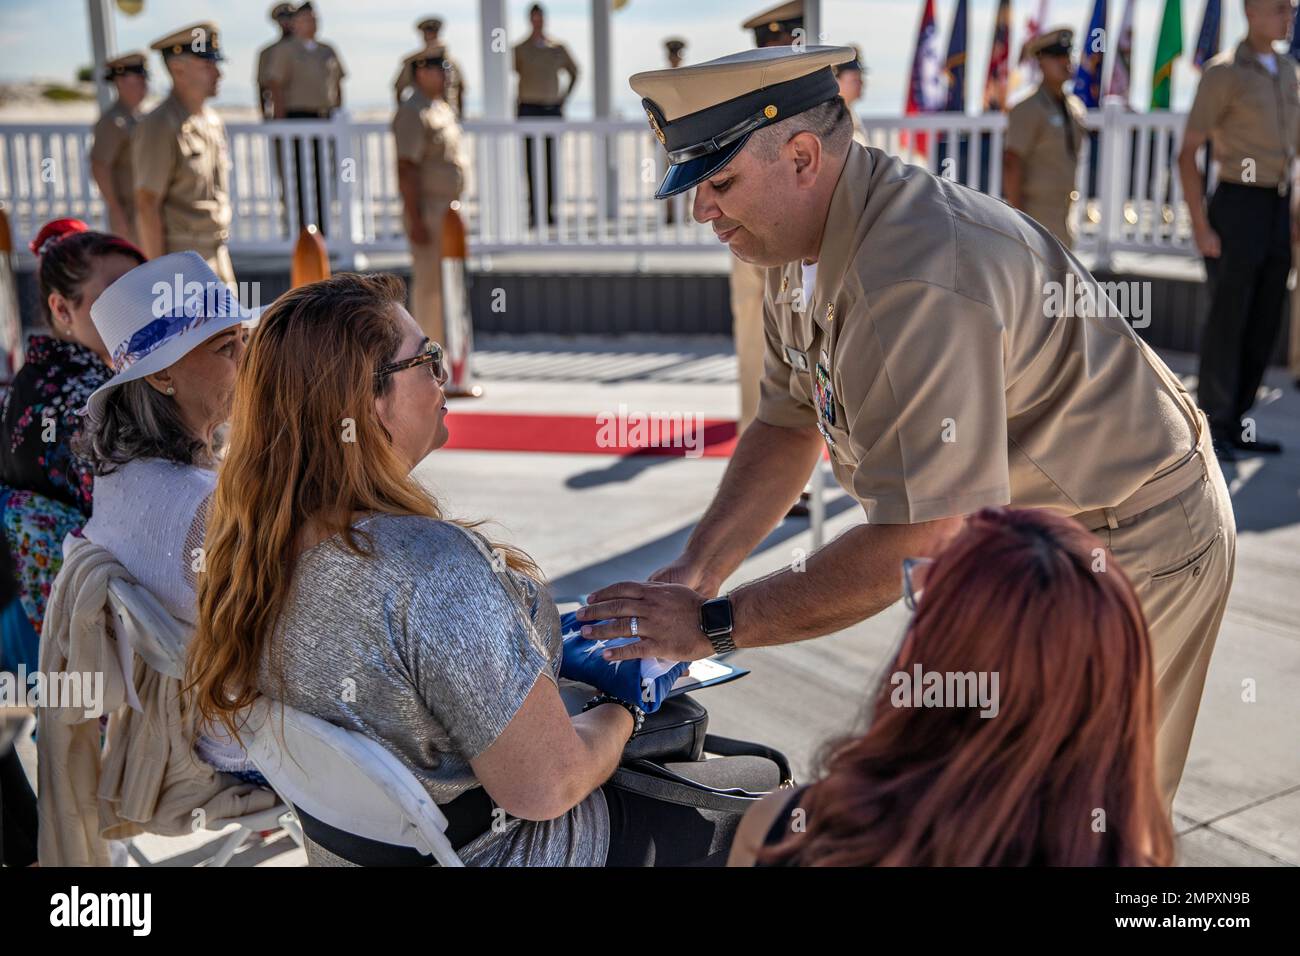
684,571
668,621
1207,241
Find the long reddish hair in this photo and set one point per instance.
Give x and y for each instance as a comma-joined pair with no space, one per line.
1062,775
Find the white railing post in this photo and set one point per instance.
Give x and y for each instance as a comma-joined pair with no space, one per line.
346,147
1112,142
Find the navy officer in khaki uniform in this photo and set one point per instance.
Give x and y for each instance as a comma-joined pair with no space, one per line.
911,330
1044,133
180,158
110,155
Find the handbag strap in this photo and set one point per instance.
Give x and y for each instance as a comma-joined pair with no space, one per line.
730,747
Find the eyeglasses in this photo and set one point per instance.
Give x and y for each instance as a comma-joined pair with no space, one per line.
913,580
430,355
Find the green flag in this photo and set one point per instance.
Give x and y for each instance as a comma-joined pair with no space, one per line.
1168,49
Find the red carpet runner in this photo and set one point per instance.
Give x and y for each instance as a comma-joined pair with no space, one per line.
634,434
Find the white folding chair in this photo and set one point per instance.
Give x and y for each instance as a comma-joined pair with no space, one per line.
345,779
143,626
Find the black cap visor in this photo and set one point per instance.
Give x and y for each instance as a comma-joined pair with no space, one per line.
682,176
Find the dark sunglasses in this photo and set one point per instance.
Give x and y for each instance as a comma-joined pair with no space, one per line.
430,355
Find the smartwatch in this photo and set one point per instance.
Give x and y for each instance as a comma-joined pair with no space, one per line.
716,622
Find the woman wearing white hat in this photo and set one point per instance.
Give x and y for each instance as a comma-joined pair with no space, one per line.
175,334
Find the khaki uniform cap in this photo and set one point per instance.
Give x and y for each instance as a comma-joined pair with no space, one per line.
133,61
281,11
1055,37
201,39
1251,116
1039,132
690,89
778,19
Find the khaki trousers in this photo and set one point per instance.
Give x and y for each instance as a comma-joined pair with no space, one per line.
1180,556
747,332
426,274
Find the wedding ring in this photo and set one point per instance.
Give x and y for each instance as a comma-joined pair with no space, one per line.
634,625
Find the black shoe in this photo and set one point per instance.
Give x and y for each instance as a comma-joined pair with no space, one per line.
1260,446
1224,450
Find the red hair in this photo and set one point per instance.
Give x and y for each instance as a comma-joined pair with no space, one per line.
1062,775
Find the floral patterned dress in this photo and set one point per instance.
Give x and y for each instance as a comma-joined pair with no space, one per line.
45,490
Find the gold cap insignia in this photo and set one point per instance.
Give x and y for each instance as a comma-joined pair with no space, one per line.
654,125
769,111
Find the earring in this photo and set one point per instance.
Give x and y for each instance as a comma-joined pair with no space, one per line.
170,390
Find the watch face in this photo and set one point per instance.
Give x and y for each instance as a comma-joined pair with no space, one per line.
715,616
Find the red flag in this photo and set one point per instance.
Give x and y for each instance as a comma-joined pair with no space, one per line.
925,89
995,85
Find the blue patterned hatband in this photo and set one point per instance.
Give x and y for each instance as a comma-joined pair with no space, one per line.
177,307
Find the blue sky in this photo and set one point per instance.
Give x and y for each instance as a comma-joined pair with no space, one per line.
49,38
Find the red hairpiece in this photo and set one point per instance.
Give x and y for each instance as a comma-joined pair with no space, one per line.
54,231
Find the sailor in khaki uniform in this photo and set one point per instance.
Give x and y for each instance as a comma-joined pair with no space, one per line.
180,158
539,61
305,77
1248,107
932,340
430,174
110,154
430,28
282,17
1044,132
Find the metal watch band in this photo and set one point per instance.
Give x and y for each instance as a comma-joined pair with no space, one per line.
722,643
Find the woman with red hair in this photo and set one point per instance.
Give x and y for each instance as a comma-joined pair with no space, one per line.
1054,768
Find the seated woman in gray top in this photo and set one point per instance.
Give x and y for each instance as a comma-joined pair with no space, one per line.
335,585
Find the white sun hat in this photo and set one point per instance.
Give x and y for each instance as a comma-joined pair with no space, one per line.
156,314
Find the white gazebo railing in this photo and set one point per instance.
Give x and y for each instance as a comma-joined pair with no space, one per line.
604,177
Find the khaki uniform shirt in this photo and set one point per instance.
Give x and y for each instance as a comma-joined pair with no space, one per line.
1039,133
1251,116
112,147
311,77
455,81
184,158
263,70
539,68
942,376
428,135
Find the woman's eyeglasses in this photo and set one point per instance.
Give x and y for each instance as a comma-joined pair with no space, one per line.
914,580
430,356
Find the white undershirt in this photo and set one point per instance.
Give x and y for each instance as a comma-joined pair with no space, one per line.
1270,62
809,279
